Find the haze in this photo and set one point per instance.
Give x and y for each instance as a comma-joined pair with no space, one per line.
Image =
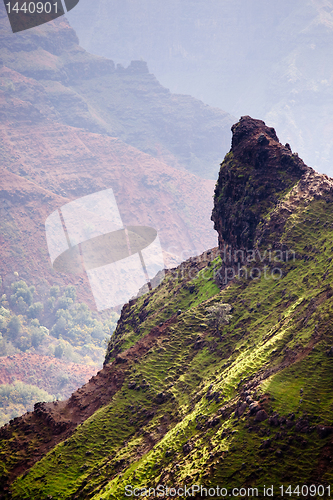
271,60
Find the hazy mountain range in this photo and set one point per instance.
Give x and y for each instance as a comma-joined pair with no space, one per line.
268,59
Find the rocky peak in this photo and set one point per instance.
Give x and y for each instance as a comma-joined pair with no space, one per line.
256,173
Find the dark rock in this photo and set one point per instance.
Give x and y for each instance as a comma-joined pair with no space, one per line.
274,420
187,448
330,351
323,432
254,407
161,398
266,444
214,422
302,425
241,409
289,424
213,395
261,416
199,343
120,360
250,181
132,385
262,139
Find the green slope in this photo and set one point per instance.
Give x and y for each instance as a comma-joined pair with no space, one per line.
275,348
223,386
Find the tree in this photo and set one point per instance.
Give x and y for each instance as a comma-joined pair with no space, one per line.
38,335
59,328
21,305
54,291
219,315
58,351
70,292
14,327
21,289
64,302
35,310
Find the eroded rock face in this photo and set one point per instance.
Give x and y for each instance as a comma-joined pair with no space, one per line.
254,175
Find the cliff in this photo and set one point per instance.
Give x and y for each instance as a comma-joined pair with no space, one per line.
204,384
256,173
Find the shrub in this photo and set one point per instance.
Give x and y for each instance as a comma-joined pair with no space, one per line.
54,291
4,312
3,324
38,335
70,292
58,351
24,343
35,310
21,305
21,289
64,302
82,315
14,327
59,328
50,303
219,315
98,331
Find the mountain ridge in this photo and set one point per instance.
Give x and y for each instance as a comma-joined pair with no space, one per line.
86,91
206,381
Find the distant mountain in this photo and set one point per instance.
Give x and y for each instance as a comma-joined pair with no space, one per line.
267,59
69,121
79,89
220,377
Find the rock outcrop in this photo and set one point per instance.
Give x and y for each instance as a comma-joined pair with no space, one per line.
254,175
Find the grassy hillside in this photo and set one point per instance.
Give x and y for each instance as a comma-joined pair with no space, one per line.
225,386
181,417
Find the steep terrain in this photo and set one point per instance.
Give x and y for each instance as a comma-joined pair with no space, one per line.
73,124
64,82
52,375
27,378
51,164
219,386
59,107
